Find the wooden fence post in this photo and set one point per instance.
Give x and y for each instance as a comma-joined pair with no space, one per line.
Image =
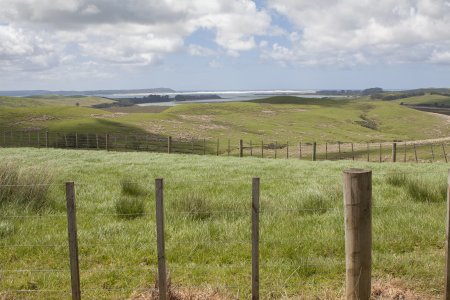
204,146
445,154
447,244
276,148
326,150
73,242
358,233
287,150
368,152
262,149
255,239
241,148
432,153
217,147
39,139
339,148
162,278
76,140
229,147
96,141
394,152
107,142
404,155
380,153
192,145
300,150
314,151
169,145
415,152
353,153
46,139
251,148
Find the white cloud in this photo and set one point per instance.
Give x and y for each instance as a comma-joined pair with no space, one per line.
361,31
197,50
135,32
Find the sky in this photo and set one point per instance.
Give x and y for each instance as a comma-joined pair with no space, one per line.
224,44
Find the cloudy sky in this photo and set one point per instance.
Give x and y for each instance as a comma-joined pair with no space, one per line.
224,44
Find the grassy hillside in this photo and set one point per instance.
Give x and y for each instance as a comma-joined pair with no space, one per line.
278,118
426,100
208,209
51,100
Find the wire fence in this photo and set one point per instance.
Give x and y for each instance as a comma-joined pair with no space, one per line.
208,238
399,151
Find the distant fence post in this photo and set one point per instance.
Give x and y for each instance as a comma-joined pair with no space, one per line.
107,142
432,153
394,152
73,242
353,153
404,154
326,150
46,139
262,149
287,150
368,152
229,147
276,148
339,149
445,154
380,153
447,244
251,148
255,239
96,141
169,145
358,233
217,147
162,278
39,139
76,140
204,146
415,152
300,150
314,151
241,148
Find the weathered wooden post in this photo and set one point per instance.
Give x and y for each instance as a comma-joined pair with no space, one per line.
432,153
404,154
358,233
241,148
251,148
96,141
162,278
314,148
368,152
217,147
339,149
353,153
255,239
447,244
46,139
169,144
76,140
415,152
39,139
445,154
262,149
107,142
276,148
300,150
326,150
287,150
394,152
204,146
229,147
73,242
380,153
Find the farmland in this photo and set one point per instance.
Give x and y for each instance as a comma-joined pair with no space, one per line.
208,225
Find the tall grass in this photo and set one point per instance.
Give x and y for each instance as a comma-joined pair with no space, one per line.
131,203
26,187
418,189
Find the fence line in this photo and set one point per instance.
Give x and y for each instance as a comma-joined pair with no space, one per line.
153,143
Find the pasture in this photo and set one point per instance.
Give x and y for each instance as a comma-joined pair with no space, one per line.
208,214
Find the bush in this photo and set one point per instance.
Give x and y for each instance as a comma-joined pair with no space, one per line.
129,207
24,187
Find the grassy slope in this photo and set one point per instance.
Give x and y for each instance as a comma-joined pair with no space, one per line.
278,118
302,248
50,100
427,100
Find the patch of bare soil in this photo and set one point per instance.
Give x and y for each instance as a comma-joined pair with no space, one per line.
201,118
181,294
395,290
113,115
267,111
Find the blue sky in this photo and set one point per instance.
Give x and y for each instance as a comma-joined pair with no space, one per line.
224,44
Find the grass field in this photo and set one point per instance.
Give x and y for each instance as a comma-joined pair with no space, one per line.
278,118
208,213
427,99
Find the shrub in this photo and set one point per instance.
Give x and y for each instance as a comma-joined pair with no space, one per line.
129,207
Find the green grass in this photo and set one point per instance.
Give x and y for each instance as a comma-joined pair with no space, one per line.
279,118
427,99
51,100
208,228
